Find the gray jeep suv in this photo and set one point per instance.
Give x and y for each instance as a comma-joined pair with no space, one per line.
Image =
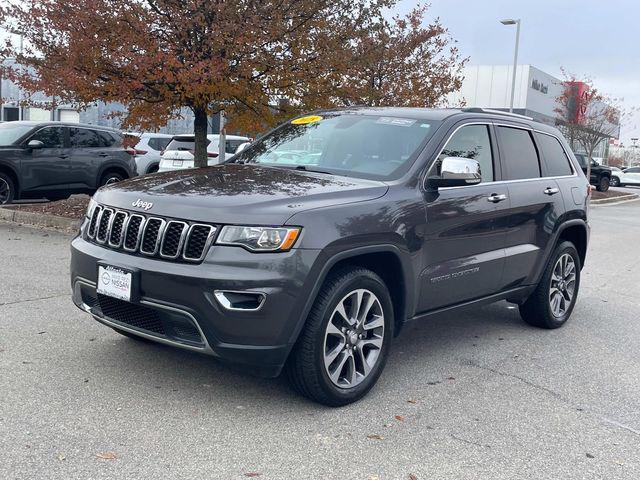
55,159
311,249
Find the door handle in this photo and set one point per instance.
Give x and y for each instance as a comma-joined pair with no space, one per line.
63,156
551,190
495,197
103,154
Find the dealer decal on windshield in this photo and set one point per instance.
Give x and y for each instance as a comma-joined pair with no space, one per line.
306,120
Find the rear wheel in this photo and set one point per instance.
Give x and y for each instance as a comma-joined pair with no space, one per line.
551,303
110,178
152,169
7,189
615,181
345,343
603,184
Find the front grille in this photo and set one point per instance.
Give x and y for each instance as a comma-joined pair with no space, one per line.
134,233
131,314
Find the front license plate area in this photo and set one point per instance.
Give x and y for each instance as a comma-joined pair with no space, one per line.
115,282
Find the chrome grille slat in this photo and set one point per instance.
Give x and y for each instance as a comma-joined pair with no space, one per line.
152,234
133,232
104,225
117,228
170,247
137,234
190,249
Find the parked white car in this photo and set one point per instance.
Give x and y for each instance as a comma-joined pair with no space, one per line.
628,176
148,148
179,153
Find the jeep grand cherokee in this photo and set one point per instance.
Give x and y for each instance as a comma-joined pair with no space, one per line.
311,249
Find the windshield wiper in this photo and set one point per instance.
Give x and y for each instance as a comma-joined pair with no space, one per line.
305,169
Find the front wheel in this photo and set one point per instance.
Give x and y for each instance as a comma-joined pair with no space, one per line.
603,184
551,303
615,182
345,343
7,189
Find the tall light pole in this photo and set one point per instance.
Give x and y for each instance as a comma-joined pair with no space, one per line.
511,21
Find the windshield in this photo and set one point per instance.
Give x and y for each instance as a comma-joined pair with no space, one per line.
365,146
10,132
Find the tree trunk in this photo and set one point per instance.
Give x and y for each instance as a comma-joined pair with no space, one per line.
200,124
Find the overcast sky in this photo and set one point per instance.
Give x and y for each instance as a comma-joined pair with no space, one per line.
594,38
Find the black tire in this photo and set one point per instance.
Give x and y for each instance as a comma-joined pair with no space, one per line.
306,365
7,189
537,309
603,184
110,177
615,181
153,169
132,336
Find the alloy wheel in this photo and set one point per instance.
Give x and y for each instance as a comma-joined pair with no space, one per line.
5,191
353,338
563,284
112,180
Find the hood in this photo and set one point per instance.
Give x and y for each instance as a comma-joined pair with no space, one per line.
237,194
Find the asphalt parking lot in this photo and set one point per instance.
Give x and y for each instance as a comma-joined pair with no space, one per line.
478,395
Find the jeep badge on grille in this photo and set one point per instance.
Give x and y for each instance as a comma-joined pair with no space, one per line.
144,205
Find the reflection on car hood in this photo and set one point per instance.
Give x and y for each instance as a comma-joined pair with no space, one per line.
239,194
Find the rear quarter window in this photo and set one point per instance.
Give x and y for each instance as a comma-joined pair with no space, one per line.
555,159
159,143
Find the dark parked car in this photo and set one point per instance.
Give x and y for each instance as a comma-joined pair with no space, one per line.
600,174
54,159
316,261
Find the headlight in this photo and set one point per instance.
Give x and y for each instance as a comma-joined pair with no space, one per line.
92,205
260,239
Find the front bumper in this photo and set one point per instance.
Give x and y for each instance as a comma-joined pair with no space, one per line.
175,303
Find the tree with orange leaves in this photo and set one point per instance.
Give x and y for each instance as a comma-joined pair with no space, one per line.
258,60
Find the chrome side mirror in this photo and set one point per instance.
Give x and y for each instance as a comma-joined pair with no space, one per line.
456,172
35,144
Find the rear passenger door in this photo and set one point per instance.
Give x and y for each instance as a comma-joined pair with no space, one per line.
89,150
536,205
463,253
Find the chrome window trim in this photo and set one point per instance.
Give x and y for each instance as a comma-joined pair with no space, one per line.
124,224
106,238
207,244
138,237
185,229
102,319
573,168
163,223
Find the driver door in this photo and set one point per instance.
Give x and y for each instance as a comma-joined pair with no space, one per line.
46,168
463,253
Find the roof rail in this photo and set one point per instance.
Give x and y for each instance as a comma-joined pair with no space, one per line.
495,112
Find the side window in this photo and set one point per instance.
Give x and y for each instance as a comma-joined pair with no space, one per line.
555,158
519,153
581,160
84,138
159,143
52,137
474,142
106,138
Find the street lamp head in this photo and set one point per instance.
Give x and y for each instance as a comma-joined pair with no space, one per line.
509,21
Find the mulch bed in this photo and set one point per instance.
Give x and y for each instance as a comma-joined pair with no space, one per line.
595,195
73,207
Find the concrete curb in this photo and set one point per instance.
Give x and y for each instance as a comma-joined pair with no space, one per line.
612,200
39,219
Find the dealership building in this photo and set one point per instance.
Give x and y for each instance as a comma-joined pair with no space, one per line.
489,86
